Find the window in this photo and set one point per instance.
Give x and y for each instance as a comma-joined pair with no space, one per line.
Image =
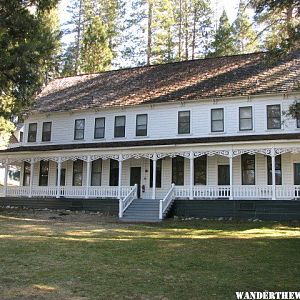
298,114
141,125
217,120
79,129
21,137
274,116
120,126
183,122
44,171
178,170
245,114
158,173
200,164
96,172
278,176
114,173
26,174
248,169
46,134
77,172
99,128
32,129
297,174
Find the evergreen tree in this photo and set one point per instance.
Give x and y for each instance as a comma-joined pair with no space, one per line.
26,50
223,43
280,20
244,35
96,54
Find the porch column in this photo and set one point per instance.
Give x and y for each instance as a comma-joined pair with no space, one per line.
58,177
231,174
5,179
31,177
120,176
191,174
154,176
88,176
273,174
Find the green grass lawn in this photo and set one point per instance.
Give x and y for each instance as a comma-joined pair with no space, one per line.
92,257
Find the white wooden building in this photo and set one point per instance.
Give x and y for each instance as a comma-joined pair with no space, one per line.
203,129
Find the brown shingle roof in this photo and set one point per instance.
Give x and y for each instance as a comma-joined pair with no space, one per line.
237,75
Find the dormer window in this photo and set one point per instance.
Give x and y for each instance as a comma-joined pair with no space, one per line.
79,129
32,131
120,126
46,134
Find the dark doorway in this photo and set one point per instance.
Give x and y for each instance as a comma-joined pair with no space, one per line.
135,178
223,175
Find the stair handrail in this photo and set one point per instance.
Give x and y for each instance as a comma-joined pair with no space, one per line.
167,201
124,203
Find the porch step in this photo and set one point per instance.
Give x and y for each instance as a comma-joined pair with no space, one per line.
142,210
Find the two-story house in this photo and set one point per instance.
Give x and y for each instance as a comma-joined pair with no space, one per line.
203,129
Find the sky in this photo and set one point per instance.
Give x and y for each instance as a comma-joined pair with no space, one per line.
229,5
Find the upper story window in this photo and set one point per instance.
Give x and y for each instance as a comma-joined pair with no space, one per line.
141,125
183,122
120,126
217,120
99,128
32,131
46,134
246,120
273,116
79,129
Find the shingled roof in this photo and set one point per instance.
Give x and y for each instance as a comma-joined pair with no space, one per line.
237,75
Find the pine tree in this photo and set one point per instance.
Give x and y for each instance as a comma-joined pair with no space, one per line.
96,54
223,43
244,35
280,20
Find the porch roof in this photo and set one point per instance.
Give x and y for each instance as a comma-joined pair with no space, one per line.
236,75
160,142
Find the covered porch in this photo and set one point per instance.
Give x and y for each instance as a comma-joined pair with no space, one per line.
255,172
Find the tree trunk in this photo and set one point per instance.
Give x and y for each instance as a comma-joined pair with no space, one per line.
78,38
180,29
186,30
194,34
149,42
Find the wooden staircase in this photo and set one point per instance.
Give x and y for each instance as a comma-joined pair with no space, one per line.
142,210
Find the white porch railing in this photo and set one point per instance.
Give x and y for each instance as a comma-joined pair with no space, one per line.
167,201
66,191
287,191
124,203
252,192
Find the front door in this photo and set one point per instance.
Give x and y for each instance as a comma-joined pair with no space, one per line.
223,175
135,178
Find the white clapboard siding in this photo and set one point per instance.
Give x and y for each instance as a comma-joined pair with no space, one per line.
162,120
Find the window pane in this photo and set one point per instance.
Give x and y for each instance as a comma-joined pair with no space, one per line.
120,121
245,124
200,164
245,112
114,173
77,172
217,114
79,124
44,171
99,122
97,165
178,170
217,126
183,122
79,135
274,116
248,169
99,133
32,129
141,119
